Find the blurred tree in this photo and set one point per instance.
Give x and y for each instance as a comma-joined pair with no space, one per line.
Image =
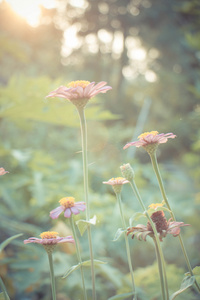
28,50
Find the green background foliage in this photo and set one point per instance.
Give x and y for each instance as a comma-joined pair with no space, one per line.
41,143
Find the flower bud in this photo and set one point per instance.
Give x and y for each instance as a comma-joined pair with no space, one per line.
127,171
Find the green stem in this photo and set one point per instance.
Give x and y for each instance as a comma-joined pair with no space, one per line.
127,244
162,271
6,297
160,268
53,286
78,255
85,176
162,189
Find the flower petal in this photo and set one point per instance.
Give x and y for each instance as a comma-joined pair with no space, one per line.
74,210
54,214
79,206
67,213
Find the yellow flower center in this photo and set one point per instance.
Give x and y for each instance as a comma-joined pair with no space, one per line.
82,83
49,235
117,178
143,135
155,205
67,202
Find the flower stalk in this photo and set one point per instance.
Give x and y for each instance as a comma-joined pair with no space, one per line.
162,189
118,195
53,285
78,255
83,126
159,252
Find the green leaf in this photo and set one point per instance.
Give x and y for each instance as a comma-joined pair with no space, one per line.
86,263
83,224
4,293
118,234
136,217
2,296
8,241
196,273
186,283
121,296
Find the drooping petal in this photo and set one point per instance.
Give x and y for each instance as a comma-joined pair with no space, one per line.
3,171
74,210
67,213
54,214
67,239
80,206
31,240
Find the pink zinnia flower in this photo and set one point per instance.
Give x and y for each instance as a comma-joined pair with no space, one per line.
80,91
69,206
149,138
49,238
2,171
116,181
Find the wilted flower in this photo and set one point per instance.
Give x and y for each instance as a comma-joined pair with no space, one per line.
163,226
80,91
116,183
69,206
150,140
2,171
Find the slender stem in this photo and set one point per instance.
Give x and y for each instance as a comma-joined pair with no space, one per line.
85,176
162,271
78,255
127,244
6,297
53,286
162,189
160,267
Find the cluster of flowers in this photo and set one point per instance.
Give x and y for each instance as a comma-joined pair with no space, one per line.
79,92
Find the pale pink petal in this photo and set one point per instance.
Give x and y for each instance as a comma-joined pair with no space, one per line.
67,213
67,239
54,214
136,144
79,91
32,240
81,207
163,140
88,89
74,210
2,171
98,85
102,90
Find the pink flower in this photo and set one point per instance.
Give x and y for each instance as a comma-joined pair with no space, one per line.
80,90
69,206
2,171
149,138
49,238
116,181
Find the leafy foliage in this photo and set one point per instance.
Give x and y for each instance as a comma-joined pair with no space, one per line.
40,139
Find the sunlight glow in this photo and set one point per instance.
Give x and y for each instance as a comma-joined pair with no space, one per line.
30,9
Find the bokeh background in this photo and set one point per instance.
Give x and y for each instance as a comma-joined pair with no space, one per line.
149,52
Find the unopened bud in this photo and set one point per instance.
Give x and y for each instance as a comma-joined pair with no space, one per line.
127,171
